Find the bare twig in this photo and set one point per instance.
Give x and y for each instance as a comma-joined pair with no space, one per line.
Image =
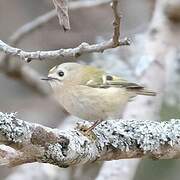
72,52
114,140
61,53
24,73
33,79
38,22
116,23
45,18
61,7
154,55
30,27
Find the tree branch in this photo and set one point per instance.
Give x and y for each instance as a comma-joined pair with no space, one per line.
71,52
33,79
114,140
116,23
153,58
24,73
61,53
38,22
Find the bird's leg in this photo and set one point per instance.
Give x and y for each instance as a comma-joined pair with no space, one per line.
93,126
87,131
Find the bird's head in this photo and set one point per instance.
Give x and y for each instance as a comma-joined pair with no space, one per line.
63,73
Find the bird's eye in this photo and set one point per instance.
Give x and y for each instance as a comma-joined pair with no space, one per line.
109,78
61,73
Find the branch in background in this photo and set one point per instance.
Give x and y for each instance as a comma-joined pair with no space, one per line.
114,140
61,7
116,23
153,52
46,18
38,22
72,52
172,10
24,73
32,79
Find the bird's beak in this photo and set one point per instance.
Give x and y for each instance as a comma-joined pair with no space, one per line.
47,78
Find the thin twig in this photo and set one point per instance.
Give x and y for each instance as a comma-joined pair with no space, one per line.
61,53
116,23
71,52
24,73
33,79
46,18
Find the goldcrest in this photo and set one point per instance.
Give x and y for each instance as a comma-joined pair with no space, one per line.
90,93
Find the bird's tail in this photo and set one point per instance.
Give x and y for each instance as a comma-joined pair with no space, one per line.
139,90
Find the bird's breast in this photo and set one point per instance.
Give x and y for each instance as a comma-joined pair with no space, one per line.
93,103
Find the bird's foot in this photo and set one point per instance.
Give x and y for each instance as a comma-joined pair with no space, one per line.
86,131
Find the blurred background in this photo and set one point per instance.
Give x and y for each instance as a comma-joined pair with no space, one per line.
90,25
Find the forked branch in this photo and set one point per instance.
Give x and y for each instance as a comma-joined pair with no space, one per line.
71,52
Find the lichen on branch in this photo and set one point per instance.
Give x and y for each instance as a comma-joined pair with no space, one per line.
115,139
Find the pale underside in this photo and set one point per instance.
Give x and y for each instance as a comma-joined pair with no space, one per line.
94,103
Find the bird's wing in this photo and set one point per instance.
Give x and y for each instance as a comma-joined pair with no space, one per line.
107,81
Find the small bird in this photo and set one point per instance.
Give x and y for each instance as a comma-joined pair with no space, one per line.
92,94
